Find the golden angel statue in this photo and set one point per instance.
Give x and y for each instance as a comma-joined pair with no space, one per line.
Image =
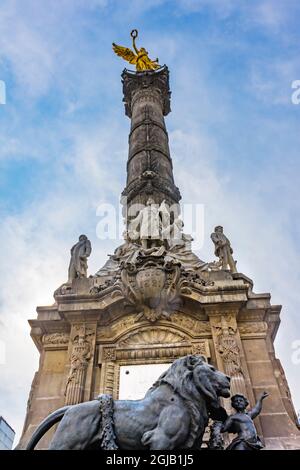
140,58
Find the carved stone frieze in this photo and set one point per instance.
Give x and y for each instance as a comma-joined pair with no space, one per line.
252,316
251,328
116,327
153,354
113,281
150,336
55,339
191,324
194,279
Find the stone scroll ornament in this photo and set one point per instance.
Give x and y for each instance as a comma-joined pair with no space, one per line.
80,356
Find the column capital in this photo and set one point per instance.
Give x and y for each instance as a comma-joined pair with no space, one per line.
223,309
157,79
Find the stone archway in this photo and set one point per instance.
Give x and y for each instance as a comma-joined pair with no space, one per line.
151,344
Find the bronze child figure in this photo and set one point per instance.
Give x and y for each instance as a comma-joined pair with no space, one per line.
241,423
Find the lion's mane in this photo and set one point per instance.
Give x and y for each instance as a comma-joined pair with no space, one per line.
180,378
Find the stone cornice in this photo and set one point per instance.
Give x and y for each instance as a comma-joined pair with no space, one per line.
273,320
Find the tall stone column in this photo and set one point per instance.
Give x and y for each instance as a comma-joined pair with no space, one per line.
149,166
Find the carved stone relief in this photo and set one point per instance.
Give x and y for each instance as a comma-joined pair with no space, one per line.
201,348
191,324
252,328
152,286
150,336
80,356
227,347
109,354
55,339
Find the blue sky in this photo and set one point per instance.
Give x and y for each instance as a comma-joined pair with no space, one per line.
234,138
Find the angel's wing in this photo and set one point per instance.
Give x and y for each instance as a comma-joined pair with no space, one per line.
125,53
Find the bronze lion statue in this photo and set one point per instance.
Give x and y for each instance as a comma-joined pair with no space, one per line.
173,414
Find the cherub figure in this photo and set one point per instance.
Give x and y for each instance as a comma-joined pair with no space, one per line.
241,423
140,58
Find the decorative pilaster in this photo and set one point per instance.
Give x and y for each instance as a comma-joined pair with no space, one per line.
109,378
82,350
225,339
228,347
229,351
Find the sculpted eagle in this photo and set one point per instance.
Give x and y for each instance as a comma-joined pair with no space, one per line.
173,414
140,58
